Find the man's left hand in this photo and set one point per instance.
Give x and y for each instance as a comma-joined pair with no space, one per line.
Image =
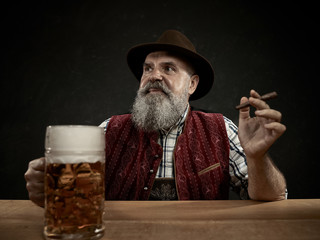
258,133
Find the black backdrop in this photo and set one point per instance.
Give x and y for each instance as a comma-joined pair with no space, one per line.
63,62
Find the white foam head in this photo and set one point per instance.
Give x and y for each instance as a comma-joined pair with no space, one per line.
75,138
74,143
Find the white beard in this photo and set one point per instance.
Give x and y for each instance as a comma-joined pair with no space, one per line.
152,112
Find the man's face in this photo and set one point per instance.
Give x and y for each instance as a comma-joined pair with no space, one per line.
175,73
165,87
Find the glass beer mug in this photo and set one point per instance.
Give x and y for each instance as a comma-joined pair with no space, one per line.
74,182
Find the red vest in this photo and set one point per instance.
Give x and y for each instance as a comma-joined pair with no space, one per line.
201,159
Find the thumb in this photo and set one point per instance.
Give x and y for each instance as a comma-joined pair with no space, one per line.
244,113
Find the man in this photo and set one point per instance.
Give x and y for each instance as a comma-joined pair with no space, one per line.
163,150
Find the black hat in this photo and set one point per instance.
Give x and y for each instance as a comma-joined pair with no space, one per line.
174,41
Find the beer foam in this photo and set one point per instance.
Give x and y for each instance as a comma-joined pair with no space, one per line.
77,138
74,158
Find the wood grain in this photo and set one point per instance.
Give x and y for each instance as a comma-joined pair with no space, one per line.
231,219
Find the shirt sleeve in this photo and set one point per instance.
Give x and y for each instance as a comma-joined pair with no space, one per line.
238,169
104,124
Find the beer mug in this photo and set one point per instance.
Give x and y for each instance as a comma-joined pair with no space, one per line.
74,182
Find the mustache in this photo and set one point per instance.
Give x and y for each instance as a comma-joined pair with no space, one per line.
155,85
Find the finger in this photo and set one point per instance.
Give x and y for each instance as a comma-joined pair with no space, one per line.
36,193
37,164
276,127
35,172
270,114
244,113
35,187
258,103
37,198
254,94
34,176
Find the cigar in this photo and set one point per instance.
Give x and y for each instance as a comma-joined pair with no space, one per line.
264,97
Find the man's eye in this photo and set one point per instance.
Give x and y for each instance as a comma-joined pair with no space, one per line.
147,69
169,69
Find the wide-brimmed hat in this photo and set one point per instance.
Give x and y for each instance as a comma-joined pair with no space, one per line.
174,42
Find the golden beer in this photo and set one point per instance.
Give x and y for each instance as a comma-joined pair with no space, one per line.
74,189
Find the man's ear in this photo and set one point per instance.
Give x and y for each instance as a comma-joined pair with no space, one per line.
194,81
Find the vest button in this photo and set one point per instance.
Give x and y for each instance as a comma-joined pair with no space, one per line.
151,171
156,156
145,188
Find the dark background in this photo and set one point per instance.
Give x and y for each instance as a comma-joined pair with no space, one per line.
64,62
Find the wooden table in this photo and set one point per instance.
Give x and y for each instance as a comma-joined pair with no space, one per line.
231,219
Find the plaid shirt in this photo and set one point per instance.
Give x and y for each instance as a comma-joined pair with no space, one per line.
237,159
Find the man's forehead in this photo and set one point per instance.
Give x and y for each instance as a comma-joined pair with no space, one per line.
163,55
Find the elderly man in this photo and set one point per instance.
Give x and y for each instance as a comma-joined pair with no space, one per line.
165,151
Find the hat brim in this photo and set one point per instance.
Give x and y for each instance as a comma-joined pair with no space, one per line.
137,55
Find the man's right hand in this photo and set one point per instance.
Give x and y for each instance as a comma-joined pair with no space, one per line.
35,181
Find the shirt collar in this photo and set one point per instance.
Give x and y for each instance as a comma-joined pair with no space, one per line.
179,123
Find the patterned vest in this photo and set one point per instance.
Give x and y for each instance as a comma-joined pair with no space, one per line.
201,159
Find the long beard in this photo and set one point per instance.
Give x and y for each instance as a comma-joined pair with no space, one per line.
152,112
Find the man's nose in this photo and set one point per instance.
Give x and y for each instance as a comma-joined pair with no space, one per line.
156,75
